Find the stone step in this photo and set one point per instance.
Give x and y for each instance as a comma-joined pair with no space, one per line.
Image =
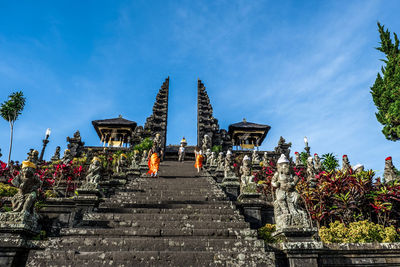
185,224
149,258
191,205
176,210
169,192
168,199
161,232
162,217
153,244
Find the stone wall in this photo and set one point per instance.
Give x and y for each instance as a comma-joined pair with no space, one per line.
371,254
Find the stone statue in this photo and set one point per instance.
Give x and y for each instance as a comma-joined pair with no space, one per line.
93,176
389,174
255,159
358,168
28,184
247,179
75,145
208,157
157,140
220,162
23,215
346,167
229,170
56,154
286,205
311,172
213,160
298,159
181,152
33,156
265,160
135,159
283,147
122,163
206,143
317,164
67,158
144,159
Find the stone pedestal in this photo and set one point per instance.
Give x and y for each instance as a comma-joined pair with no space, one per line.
133,173
231,187
144,168
251,205
86,201
16,229
299,247
219,176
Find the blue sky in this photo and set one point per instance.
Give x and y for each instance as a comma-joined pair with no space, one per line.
303,67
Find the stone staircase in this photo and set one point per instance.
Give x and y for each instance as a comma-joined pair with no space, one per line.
179,219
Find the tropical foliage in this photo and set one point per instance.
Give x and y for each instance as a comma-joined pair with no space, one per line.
10,110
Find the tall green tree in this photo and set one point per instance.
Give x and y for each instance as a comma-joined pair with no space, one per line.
10,110
386,89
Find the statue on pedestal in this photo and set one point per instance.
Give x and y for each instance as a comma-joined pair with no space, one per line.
298,159
389,174
317,164
311,172
265,160
33,156
206,143
135,159
23,215
255,159
220,162
122,163
75,145
229,170
94,175
209,158
144,159
56,156
346,167
286,205
247,184
67,158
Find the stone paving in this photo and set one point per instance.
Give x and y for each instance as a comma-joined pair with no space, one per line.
178,219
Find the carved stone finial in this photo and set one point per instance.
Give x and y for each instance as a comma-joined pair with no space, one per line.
346,167
389,173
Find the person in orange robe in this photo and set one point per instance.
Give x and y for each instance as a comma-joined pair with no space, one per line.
154,161
199,159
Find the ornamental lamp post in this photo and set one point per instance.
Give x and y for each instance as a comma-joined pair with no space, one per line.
45,142
306,148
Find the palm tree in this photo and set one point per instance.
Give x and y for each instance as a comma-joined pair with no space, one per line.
10,110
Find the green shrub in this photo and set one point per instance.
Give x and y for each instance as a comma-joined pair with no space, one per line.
358,232
266,231
216,149
7,190
146,144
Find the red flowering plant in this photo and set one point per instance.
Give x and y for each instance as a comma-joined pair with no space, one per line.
385,203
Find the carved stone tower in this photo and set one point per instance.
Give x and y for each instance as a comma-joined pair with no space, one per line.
157,122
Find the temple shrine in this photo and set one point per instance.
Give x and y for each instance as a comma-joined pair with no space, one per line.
116,132
247,135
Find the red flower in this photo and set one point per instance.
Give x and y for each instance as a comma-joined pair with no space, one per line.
315,154
296,152
344,156
388,158
234,165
